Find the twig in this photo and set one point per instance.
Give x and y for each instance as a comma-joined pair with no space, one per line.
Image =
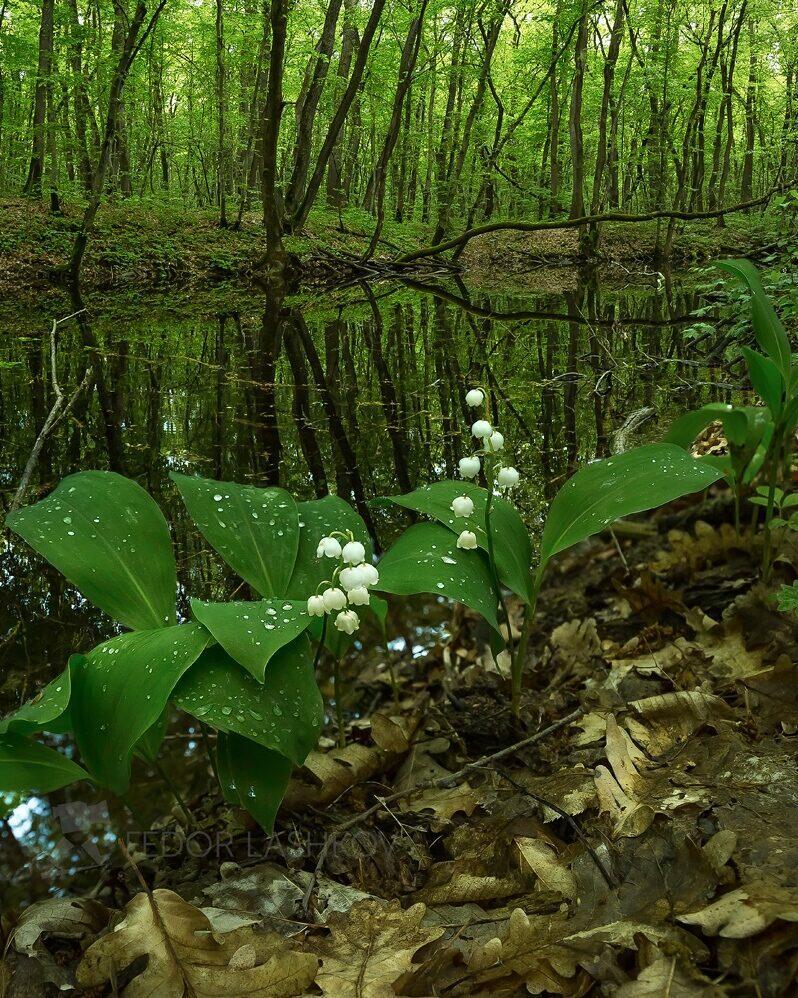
450,780
59,409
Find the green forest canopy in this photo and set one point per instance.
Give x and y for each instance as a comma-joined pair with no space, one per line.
448,113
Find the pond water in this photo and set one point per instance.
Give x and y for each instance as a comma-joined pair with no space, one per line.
360,393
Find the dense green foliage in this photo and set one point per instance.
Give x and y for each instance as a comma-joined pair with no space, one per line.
450,113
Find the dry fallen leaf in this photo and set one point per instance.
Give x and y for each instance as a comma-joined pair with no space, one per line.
371,947
543,862
746,911
67,918
184,957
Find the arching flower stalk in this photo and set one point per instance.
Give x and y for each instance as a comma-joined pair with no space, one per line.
348,587
500,478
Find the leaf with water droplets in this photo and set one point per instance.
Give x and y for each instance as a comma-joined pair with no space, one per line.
252,777
251,633
426,559
119,691
511,542
108,537
30,767
44,710
603,491
285,713
317,519
255,530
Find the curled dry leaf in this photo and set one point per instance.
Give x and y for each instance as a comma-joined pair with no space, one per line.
66,918
542,860
370,948
746,911
184,957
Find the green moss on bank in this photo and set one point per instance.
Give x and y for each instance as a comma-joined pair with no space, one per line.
142,243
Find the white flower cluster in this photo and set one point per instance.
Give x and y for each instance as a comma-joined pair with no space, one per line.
349,585
492,442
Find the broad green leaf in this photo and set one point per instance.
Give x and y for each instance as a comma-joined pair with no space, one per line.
251,633
686,428
319,518
255,530
606,490
769,332
45,708
149,745
108,537
766,380
120,690
426,559
510,538
284,713
30,767
253,777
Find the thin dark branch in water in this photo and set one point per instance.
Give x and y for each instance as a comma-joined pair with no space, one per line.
450,780
59,409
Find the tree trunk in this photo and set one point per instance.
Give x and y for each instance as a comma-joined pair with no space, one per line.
272,113
33,183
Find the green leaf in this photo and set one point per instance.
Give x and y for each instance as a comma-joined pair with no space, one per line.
285,713
511,542
769,332
426,559
252,633
30,767
683,431
108,537
766,380
603,491
149,745
119,691
318,518
253,777
46,707
255,530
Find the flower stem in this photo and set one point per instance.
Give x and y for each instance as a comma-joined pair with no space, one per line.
767,550
514,669
175,792
526,630
339,707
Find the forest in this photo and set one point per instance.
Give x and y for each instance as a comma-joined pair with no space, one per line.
398,462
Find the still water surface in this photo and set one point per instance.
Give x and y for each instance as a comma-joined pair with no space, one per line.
359,393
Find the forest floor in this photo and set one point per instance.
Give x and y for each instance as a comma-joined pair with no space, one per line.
647,848
141,244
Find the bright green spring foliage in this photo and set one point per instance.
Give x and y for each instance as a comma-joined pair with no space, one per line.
245,669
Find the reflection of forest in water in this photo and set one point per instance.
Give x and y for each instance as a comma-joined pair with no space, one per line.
363,399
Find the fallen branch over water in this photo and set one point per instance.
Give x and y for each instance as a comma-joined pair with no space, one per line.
583,220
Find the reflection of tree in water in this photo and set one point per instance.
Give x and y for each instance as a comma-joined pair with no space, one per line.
362,399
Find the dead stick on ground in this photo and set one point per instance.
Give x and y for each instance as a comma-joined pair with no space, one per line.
59,409
450,780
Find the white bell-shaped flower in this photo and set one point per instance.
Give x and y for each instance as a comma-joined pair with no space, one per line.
353,553
334,599
316,606
467,540
348,622
481,429
475,398
495,441
508,478
328,546
462,506
369,574
468,467
351,577
359,596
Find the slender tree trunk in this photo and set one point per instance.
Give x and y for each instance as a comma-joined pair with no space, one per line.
349,45
33,183
272,113
222,152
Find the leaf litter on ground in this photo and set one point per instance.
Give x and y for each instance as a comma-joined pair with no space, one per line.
649,847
